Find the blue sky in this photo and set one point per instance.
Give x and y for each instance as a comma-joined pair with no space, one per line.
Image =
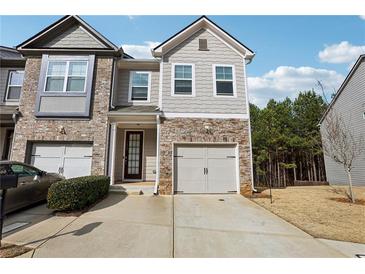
292,52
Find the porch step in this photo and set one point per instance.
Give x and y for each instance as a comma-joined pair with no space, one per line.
133,189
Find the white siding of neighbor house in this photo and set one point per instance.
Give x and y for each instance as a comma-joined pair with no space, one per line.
74,37
204,100
351,106
4,73
149,154
122,88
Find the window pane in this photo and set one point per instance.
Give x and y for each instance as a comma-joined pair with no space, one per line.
183,87
54,84
140,79
14,93
224,88
56,68
139,93
75,84
223,73
183,72
16,78
228,73
77,68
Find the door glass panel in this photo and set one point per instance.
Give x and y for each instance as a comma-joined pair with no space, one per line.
133,153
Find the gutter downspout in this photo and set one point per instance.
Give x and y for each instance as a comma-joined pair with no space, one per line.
113,83
157,181
249,124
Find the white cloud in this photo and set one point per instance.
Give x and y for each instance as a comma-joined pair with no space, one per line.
362,17
131,17
341,53
141,51
287,81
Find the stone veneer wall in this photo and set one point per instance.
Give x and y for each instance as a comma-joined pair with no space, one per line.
193,130
29,128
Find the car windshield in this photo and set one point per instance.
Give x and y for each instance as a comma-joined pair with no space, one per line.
21,170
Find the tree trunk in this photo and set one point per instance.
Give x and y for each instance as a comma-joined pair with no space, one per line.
314,168
352,196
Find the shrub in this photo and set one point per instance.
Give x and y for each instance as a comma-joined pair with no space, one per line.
77,193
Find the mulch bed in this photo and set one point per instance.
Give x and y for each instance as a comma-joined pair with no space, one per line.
11,251
348,201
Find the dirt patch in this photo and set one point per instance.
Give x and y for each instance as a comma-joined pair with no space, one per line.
319,211
11,251
348,201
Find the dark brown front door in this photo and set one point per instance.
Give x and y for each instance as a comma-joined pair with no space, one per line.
133,155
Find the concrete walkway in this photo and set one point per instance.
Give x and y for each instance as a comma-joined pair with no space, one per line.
165,226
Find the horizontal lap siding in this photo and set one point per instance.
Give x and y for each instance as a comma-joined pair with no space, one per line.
204,102
122,89
350,105
74,37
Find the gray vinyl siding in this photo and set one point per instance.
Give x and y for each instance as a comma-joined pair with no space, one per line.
4,72
350,104
122,88
204,100
74,37
149,154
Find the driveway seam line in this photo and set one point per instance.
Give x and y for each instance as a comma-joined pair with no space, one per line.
57,232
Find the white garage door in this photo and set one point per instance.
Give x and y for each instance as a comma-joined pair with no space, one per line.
70,160
205,169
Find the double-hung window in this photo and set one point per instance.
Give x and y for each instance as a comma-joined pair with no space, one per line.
15,83
66,76
183,79
139,88
224,80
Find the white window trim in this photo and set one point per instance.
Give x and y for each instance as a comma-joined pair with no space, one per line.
148,87
192,80
8,86
233,81
65,76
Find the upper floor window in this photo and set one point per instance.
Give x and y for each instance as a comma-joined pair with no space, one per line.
183,79
140,85
15,83
66,76
224,80
65,86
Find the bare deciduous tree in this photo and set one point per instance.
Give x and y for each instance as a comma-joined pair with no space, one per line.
341,144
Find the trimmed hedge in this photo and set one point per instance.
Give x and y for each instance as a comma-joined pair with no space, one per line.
77,193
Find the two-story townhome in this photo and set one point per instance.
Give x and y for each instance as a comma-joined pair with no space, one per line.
179,120
11,80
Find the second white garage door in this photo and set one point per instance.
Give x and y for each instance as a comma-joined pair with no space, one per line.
205,169
70,160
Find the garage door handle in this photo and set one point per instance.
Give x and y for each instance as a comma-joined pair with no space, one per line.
205,170
231,156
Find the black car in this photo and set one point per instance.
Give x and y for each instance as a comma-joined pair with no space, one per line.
33,184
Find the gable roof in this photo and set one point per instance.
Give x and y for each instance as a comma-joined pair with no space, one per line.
202,22
343,85
43,40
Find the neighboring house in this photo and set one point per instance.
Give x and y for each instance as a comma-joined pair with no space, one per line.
349,104
11,80
180,120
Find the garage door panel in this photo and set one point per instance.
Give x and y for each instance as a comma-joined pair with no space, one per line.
48,164
190,152
221,175
45,150
220,152
76,167
73,159
78,150
190,175
206,168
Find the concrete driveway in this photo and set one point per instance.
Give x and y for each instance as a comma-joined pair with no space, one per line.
165,226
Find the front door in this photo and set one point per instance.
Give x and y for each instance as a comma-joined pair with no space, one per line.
133,155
